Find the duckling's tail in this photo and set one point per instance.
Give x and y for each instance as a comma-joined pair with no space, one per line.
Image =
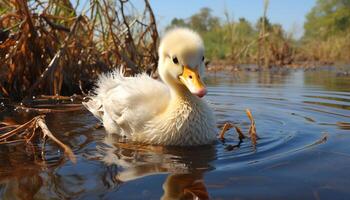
104,84
95,107
108,81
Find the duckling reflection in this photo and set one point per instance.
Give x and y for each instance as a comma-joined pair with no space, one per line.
185,165
185,186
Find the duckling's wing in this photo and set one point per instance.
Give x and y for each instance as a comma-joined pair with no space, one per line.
124,104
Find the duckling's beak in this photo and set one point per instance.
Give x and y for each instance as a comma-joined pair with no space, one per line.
191,79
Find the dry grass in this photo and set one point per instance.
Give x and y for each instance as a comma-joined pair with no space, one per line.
333,50
252,128
226,127
251,132
14,133
47,48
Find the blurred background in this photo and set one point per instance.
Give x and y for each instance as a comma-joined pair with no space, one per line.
59,47
287,61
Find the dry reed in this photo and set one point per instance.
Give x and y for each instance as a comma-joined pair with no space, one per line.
251,132
28,131
47,48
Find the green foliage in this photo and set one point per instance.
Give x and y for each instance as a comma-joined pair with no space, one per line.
236,41
177,23
326,38
216,44
243,28
328,18
263,22
327,32
239,36
204,21
209,28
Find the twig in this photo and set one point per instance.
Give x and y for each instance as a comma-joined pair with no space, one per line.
241,136
53,25
54,62
252,132
252,128
50,110
245,49
154,35
26,132
226,127
8,127
17,130
41,123
231,147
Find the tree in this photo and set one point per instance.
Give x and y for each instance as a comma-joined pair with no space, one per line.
209,28
327,18
177,23
244,29
204,21
263,21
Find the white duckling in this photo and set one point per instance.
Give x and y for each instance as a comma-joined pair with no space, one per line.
149,111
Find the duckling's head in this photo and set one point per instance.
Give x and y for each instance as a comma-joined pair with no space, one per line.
181,60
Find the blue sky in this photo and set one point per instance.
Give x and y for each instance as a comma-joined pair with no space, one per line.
289,13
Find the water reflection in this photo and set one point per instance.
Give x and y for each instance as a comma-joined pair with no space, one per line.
185,166
328,81
20,171
273,78
185,186
293,110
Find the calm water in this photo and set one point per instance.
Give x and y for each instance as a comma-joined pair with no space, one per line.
303,150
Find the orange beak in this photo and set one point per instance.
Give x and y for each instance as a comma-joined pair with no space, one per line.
191,79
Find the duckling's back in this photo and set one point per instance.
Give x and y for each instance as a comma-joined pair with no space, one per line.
124,104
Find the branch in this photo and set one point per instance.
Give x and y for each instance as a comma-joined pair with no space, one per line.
54,62
41,123
53,25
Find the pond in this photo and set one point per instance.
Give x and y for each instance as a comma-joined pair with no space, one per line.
302,119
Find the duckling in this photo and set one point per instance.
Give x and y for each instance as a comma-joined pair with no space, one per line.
149,111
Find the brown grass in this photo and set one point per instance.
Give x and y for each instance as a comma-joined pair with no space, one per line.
252,132
47,48
28,131
252,128
332,50
226,127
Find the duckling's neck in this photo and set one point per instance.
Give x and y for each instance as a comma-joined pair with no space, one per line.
178,91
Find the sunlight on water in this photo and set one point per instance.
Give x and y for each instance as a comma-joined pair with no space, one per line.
302,120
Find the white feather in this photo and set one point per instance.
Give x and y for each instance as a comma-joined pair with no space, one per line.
150,111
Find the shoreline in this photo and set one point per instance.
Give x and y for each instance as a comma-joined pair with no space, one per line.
224,66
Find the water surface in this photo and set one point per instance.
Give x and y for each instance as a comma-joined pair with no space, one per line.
302,120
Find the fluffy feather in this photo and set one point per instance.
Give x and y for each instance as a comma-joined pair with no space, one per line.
127,102
149,111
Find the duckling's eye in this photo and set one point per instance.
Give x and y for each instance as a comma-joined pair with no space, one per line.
175,60
203,58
